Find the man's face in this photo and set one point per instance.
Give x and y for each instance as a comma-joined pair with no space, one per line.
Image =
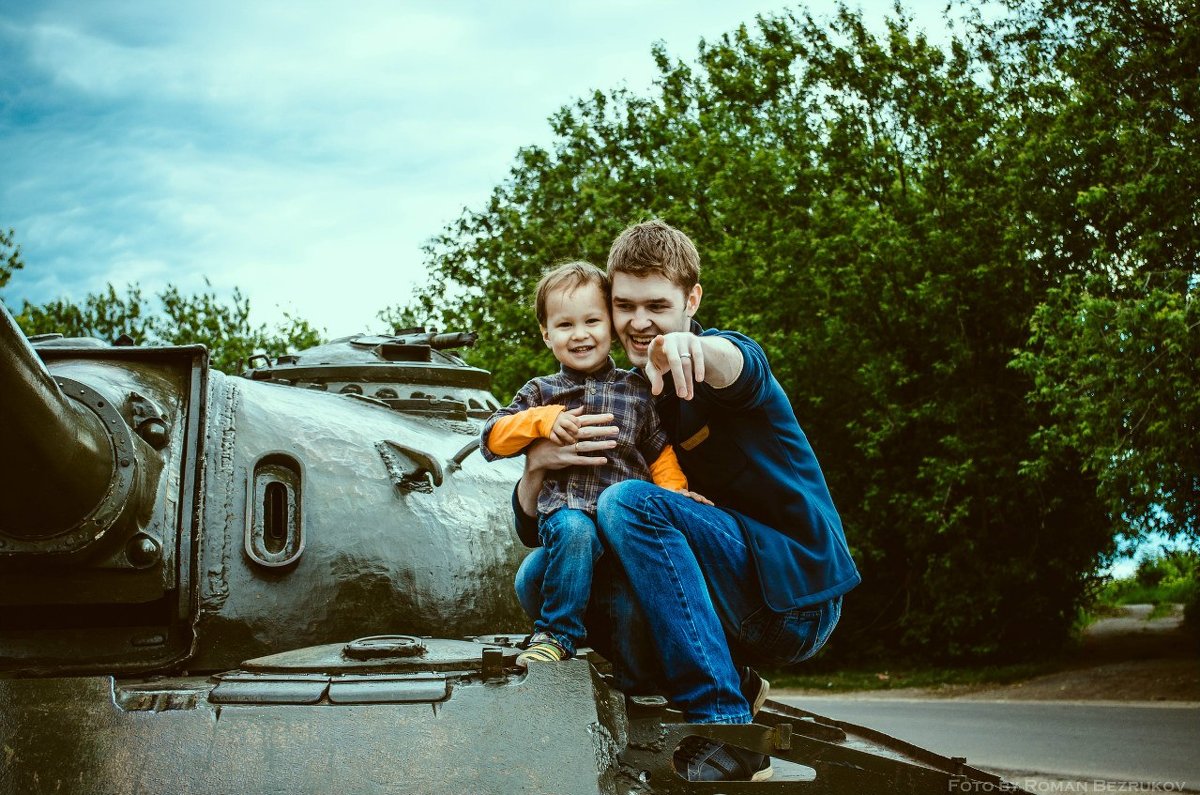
644,307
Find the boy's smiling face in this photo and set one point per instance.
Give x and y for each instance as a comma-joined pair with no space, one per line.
578,328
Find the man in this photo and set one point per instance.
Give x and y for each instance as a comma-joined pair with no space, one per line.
687,594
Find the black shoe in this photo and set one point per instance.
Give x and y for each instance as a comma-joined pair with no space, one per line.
754,688
701,759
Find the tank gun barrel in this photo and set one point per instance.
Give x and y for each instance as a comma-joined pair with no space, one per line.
60,457
454,339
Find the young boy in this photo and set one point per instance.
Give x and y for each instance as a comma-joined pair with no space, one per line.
573,313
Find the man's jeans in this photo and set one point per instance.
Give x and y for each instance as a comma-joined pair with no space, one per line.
570,546
676,601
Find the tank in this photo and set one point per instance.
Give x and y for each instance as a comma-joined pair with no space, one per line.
299,580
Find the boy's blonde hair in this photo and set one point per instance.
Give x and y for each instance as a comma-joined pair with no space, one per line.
571,275
654,248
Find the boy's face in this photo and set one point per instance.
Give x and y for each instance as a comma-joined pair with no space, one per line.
646,306
578,329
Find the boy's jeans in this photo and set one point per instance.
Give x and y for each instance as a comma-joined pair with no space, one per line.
570,545
676,600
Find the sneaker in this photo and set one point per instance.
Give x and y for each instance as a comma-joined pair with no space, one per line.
542,648
754,688
702,759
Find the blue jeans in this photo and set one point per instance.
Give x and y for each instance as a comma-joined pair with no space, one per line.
677,604
570,546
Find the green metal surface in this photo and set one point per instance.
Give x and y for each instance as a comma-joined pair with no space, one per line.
541,733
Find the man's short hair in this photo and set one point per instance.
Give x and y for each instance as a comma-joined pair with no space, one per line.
571,275
654,248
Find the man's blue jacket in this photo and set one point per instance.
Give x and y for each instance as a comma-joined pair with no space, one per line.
743,448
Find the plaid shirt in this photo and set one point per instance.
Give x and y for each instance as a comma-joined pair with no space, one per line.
622,393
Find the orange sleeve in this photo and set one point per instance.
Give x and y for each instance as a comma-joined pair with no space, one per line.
665,471
512,434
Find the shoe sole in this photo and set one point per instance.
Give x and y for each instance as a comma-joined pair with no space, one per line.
763,774
542,651
523,662
761,697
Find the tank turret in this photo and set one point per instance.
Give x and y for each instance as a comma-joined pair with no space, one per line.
300,580
100,499
163,512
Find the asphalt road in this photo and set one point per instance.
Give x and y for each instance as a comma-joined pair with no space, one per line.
1127,742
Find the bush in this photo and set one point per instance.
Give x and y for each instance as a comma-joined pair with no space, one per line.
1173,573
1166,577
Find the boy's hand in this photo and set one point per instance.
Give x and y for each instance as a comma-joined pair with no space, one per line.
596,431
593,436
697,497
566,428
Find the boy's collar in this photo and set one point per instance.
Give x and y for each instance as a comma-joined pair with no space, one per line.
603,370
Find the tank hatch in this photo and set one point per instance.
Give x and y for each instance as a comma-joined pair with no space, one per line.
384,653
382,669
413,371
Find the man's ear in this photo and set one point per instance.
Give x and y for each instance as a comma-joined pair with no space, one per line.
693,300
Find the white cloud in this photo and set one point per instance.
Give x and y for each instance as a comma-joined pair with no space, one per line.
301,151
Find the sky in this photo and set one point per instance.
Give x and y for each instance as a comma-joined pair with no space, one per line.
300,151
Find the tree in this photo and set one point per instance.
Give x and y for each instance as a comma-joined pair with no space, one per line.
10,257
105,315
224,327
1110,211
855,200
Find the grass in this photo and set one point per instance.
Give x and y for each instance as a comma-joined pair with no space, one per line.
849,680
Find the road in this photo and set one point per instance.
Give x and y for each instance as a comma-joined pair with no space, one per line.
1085,741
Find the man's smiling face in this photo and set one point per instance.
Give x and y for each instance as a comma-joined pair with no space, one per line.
644,307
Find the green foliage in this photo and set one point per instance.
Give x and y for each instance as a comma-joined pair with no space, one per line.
1169,569
226,328
893,220
1120,376
104,315
1109,203
204,318
398,318
10,257
1168,577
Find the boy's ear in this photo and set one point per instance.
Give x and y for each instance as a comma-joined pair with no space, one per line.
545,335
